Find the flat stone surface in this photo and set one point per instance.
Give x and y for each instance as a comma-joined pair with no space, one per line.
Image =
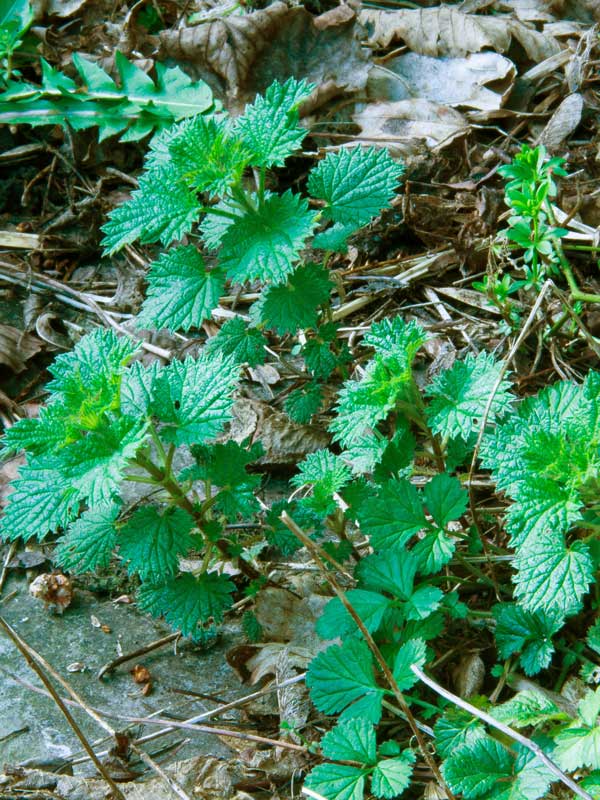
72,637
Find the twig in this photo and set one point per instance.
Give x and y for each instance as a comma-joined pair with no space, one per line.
389,676
37,661
500,726
9,557
141,651
25,651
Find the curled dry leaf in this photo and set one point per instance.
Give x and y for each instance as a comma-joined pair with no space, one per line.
284,441
410,128
447,31
245,54
17,347
55,8
563,122
54,589
456,82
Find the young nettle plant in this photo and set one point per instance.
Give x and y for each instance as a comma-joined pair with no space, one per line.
207,177
543,454
111,422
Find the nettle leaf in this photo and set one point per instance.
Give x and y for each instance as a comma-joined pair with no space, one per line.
246,345
475,769
89,542
363,455
455,730
351,740
302,404
319,357
393,516
433,551
269,126
39,436
136,389
355,183
393,338
392,776
324,469
412,653
96,464
459,396
551,576
388,572
445,498
42,500
337,781
152,540
86,380
335,621
528,633
153,214
265,243
188,603
209,157
341,677
194,397
182,292
526,708
295,304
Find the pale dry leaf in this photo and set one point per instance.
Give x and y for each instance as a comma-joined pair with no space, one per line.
527,10
456,82
448,31
563,122
246,54
410,128
55,8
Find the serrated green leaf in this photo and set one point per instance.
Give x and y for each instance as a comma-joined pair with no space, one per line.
476,768
335,621
188,603
392,572
152,214
433,551
302,404
244,344
265,243
319,358
42,500
363,455
460,396
97,463
392,775
193,398
526,708
355,183
445,498
208,156
351,740
337,781
528,633
394,516
182,292
269,126
152,540
38,436
323,468
136,388
412,653
579,745
295,304
456,729
89,542
334,238
551,576
342,676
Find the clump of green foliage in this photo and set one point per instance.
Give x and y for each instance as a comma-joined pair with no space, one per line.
133,108
15,20
209,175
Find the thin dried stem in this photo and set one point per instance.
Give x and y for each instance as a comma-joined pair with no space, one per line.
500,726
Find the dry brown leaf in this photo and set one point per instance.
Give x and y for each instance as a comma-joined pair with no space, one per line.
447,31
563,122
17,347
246,54
56,8
457,82
410,128
284,441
